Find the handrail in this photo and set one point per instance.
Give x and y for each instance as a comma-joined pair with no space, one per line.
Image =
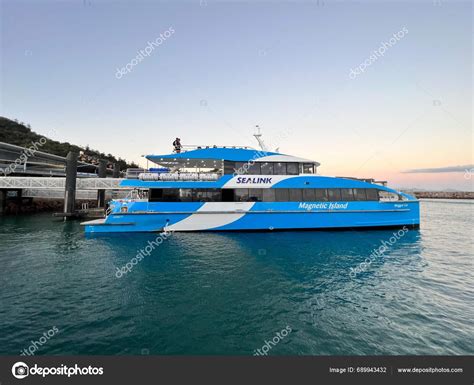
185,176
188,147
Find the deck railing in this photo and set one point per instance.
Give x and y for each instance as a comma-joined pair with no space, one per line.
190,147
183,176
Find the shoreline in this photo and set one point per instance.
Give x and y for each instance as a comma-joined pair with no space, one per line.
442,194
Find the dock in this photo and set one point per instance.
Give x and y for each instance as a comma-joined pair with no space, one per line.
72,188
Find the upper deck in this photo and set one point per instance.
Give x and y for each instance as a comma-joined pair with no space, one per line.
212,167
212,156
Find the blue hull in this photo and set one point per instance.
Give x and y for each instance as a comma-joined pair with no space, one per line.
153,217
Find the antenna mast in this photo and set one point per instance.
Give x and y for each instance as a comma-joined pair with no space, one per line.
258,136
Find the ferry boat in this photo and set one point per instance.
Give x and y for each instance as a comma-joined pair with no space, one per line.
211,188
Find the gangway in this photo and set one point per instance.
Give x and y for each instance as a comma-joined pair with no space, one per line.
20,182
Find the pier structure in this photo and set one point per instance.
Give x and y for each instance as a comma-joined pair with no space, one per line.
22,161
86,189
46,176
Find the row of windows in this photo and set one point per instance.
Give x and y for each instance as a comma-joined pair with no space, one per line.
263,195
306,195
185,195
268,168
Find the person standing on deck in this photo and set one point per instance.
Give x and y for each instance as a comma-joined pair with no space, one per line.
177,145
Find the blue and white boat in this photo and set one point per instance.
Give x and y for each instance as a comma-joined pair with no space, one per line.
228,188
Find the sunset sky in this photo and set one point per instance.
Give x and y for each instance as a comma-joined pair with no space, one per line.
227,66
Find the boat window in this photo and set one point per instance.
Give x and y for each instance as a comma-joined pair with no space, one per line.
308,168
267,168
347,194
359,194
170,194
321,195
200,196
215,195
185,195
388,196
155,195
282,195
207,195
280,168
228,195
254,169
296,195
292,169
268,195
309,195
241,194
229,167
255,195
372,194
241,168
334,194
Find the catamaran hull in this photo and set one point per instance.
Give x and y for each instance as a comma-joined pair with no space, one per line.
253,216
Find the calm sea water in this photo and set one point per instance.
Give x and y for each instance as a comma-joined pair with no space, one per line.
219,293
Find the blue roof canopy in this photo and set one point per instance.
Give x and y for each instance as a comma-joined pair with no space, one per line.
219,153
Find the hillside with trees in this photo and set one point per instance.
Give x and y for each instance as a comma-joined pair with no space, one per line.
20,134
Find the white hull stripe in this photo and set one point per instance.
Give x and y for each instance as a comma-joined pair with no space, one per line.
207,222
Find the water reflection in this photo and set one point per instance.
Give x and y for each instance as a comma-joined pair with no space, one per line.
224,293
